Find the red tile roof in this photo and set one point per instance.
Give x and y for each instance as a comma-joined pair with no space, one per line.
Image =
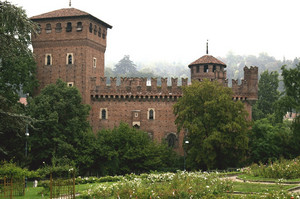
207,59
66,13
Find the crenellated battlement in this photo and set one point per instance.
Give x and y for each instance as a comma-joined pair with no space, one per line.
248,89
136,88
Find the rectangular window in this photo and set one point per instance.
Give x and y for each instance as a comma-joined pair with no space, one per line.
69,27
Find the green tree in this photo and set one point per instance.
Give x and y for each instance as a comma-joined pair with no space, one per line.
268,94
17,74
17,65
270,141
125,67
217,125
125,150
290,101
62,123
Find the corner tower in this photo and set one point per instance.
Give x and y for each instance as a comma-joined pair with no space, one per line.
70,45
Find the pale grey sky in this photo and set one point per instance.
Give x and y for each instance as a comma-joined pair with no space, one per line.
177,30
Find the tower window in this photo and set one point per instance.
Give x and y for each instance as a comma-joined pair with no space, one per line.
214,68
70,58
99,32
198,69
58,27
95,30
103,114
48,59
151,114
91,28
103,34
48,28
205,69
69,27
94,62
79,26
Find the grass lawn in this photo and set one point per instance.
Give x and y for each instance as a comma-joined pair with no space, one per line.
258,188
253,178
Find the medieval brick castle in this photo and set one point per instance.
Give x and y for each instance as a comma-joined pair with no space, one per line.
70,45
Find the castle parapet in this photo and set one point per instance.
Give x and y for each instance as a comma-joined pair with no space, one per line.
132,88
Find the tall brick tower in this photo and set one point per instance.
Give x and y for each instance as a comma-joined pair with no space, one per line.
70,45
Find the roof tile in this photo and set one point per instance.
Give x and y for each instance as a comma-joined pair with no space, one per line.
207,59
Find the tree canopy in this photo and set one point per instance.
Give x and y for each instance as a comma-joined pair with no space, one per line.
62,123
17,65
217,126
125,67
268,95
125,149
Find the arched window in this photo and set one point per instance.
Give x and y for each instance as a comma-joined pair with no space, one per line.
99,32
58,27
214,68
206,68
48,59
91,28
69,27
171,140
151,114
70,59
103,114
48,28
103,34
79,26
95,30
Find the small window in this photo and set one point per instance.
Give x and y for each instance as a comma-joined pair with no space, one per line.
69,58
69,27
214,68
95,30
48,59
58,27
205,68
39,29
151,114
70,84
198,69
103,114
103,34
48,28
91,28
94,62
79,26
192,70
99,32
136,114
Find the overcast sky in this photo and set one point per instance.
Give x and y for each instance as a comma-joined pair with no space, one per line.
177,30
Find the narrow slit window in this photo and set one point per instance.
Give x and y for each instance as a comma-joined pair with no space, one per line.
99,32
91,28
94,62
69,59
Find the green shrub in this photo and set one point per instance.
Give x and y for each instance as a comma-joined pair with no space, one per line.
281,169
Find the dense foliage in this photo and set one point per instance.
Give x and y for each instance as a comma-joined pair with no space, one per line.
125,149
61,124
17,75
280,169
217,126
268,95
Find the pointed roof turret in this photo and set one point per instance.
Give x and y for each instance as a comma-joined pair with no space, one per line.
207,59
